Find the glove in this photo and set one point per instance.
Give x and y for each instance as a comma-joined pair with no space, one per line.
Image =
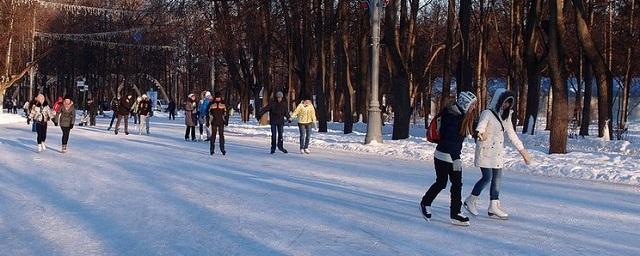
71,127
457,165
288,120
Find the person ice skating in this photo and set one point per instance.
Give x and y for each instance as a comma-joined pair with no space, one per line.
114,109
217,118
134,111
190,118
494,122
15,106
56,107
278,111
144,111
456,124
66,117
306,114
32,105
203,113
25,109
172,110
124,108
92,107
41,114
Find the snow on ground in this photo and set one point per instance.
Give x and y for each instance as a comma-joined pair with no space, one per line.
160,195
6,118
590,158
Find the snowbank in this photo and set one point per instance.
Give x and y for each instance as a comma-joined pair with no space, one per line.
11,118
588,158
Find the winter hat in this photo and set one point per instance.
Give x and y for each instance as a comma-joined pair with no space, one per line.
144,96
191,95
207,94
279,95
465,100
139,99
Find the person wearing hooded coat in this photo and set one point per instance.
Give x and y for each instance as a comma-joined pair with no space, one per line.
144,111
456,125
41,114
217,118
66,117
190,117
278,110
124,108
494,123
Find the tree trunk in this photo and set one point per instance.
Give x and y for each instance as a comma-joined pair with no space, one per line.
448,53
603,74
559,115
624,102
464,75
343,65
533,69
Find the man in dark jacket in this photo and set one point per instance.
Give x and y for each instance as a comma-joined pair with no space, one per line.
124,108
172,110
217,118
278,111
92,106
114,109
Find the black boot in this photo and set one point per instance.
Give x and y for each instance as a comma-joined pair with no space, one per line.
426,211
459,219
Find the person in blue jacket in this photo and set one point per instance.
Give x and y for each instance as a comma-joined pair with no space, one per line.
456,124
203,113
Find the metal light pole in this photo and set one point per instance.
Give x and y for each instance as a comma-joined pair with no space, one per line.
374,126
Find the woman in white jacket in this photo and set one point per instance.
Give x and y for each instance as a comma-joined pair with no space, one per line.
494,122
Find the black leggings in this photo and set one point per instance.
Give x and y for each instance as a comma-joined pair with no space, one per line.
65,134
192,130
444,171
41,129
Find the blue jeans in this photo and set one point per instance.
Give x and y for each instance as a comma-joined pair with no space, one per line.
305,135
489,175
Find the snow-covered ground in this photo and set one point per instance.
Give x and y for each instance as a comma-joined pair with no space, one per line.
588,158
160,195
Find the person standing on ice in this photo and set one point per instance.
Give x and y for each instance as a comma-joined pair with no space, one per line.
203,114
494,122
66,117
134,111
217,118
56,107
124,108
172,110
306,114
41,114
92,107
456,125
144,111
114,109
278,111
190,117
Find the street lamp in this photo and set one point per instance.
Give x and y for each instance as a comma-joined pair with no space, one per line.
374,125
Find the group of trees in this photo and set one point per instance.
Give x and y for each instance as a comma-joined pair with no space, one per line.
249,49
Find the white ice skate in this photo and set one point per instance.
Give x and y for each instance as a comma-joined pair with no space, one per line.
496,212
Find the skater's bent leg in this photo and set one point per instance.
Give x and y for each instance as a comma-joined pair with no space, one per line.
440,183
